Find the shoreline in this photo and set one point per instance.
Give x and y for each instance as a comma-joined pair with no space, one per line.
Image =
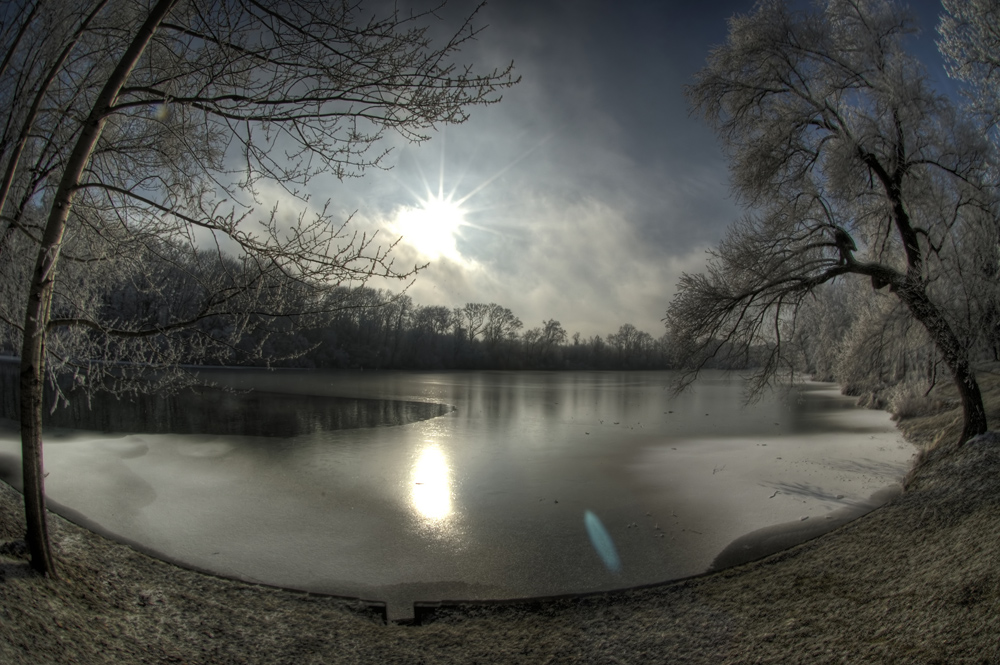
779,537
743,498
747,548
896,585
916,580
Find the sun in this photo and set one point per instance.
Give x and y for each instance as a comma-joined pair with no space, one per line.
435,222
432,227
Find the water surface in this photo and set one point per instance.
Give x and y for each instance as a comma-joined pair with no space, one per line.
487,500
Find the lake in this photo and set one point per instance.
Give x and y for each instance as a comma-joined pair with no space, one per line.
403,486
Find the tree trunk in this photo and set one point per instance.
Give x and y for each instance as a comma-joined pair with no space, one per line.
37,530
954,353
38,313
973,411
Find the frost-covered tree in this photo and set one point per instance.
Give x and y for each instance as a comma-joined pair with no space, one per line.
136,129
970,41
867,342
849,165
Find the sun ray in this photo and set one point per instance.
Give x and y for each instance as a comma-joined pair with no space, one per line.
485,183
434,223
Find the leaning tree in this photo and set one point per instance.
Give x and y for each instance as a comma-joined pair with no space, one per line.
140,138
848,164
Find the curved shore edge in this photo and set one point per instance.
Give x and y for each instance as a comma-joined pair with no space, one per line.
416,610
772,539
747,548
915,581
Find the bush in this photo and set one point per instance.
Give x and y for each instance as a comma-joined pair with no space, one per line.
909,401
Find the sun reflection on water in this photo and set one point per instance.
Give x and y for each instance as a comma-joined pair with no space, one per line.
431,489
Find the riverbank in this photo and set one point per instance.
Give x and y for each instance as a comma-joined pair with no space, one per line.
917,581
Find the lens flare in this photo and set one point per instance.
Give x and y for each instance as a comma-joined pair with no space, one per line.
601,540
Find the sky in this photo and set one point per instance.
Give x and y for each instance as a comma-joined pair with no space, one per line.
586,193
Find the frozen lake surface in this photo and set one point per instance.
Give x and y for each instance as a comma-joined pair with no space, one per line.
487,500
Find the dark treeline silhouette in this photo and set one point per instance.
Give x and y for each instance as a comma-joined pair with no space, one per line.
378,329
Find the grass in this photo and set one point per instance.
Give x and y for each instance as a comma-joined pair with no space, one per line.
945,424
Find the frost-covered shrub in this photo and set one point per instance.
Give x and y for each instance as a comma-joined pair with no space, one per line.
911,401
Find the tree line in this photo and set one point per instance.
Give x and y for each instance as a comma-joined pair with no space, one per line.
356,327
377,329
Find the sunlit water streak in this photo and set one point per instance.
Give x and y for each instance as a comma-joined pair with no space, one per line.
431,493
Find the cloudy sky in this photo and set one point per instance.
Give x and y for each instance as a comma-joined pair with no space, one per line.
590,188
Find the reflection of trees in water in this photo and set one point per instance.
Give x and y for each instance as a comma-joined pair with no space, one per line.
204,410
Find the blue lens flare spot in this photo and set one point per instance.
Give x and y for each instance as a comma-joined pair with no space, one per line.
601,540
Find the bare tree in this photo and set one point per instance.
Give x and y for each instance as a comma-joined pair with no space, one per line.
37,43
500,325
632,345
166,145
433,319
471,317
970,41
540,344
848,164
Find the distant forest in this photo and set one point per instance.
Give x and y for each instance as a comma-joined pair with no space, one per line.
350,328
380,329
369,328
